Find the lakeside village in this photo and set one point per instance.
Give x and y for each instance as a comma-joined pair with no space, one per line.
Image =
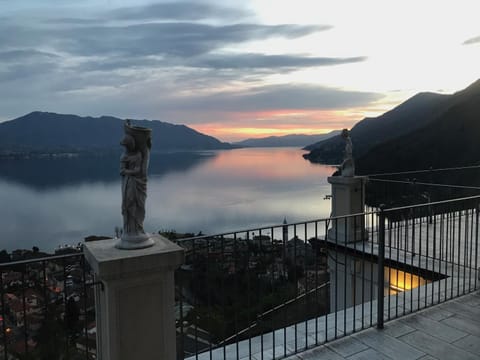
46,304
48,307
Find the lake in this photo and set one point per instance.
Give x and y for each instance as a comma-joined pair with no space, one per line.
52,202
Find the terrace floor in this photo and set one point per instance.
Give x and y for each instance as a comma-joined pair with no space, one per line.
450,330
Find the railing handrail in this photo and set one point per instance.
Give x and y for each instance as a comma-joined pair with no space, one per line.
431,170
40,259
332,218
431,203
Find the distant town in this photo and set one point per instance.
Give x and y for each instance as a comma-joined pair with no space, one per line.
44,308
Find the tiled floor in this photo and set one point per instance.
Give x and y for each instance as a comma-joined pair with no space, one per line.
447,331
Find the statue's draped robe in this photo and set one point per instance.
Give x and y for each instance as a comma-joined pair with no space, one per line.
134,194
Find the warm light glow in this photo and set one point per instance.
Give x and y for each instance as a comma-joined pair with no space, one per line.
400,281
241,126
242,133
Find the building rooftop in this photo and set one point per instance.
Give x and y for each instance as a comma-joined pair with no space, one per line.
446,331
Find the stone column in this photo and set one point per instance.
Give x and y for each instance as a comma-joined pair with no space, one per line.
348,197
135,304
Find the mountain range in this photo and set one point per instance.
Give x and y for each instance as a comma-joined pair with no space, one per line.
298,140
449,140
51,132
427,130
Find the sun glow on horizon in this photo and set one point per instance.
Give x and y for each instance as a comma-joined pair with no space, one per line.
232,134
247,125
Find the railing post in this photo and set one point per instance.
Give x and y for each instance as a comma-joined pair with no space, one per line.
380,270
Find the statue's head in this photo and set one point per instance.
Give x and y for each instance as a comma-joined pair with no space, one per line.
129,142
345,133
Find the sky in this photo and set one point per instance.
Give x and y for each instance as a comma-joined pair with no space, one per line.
233,69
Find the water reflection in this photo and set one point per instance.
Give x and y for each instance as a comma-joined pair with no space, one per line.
46,173
226,190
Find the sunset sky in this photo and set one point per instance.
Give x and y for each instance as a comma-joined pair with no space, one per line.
233,69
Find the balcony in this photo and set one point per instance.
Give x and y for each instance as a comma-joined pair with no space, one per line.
291,290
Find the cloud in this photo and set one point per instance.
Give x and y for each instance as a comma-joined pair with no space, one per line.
22,71
241,64
25,63
179,11
112,63
175,39
473,40
87,45
261,61
183,39
72,21
31,55
285,96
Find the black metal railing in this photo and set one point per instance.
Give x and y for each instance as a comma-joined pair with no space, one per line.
263,293
267,292
47,308
422,186
275,291
433,253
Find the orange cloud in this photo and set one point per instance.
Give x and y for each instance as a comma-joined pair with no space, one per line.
243,125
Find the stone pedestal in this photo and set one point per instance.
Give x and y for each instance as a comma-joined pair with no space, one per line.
348,197
135,304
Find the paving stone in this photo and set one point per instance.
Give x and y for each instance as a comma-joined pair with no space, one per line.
347,346
388,345
435,347
471,300
434,328
460,309
466,324
470,343
369,354
437,314
321,353
397,328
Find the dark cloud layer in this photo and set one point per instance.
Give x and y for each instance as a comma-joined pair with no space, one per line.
172,38
26,63
72,21
294,96
261,61
473,40
177,39
239,62
178,10
20,55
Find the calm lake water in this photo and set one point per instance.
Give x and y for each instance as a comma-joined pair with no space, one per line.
51,202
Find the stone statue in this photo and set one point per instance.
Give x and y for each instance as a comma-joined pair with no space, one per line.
347,168
133,169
